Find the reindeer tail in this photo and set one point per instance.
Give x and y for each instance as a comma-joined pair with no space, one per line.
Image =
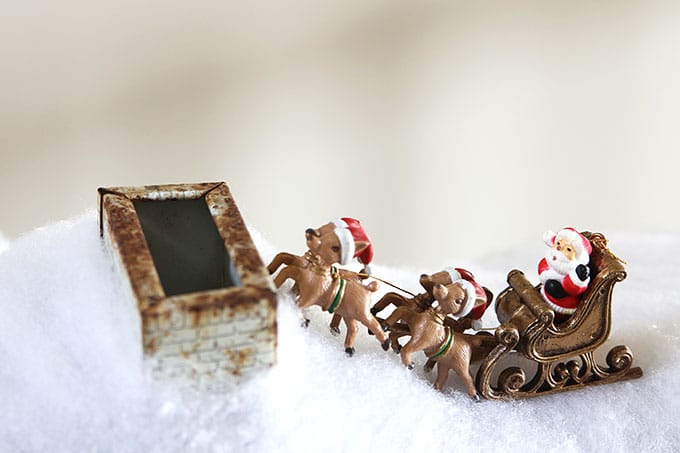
373,286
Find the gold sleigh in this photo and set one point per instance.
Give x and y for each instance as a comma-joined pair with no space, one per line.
562,354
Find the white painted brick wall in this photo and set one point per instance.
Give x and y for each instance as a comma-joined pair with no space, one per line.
225,343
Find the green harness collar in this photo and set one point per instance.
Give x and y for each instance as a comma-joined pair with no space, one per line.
339,293
447,344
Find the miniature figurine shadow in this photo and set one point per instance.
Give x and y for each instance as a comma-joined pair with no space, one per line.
450,349
319,282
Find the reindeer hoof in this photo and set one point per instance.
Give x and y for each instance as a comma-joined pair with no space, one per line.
370,332
476,398
410,366
429,365
397,350
349,352
385,345
335,330
305,323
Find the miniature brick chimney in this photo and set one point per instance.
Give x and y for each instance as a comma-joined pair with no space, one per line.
206,301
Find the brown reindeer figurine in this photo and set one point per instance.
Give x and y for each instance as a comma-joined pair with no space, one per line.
451,349
319,282
478,300
421,301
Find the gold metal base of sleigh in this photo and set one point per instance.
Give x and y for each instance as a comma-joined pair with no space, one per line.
563,353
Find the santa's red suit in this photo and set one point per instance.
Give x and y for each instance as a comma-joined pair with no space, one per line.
555,266
476,301
572,286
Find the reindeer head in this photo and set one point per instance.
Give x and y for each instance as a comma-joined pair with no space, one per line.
428,281
452,298
324,243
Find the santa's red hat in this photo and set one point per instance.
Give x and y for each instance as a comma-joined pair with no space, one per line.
581,244
349,230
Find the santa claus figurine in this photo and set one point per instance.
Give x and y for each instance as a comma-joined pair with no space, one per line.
564,270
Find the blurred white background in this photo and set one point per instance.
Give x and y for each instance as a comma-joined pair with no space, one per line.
451,129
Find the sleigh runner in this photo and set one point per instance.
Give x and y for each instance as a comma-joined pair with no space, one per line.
563,353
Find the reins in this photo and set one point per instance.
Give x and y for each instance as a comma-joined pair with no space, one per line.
363,274
340,292
439,320
312,259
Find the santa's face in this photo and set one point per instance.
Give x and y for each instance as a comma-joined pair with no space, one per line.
562,256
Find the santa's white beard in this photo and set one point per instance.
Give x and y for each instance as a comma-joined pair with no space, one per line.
559,262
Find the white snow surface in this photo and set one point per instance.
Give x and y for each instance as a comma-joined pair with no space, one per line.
73,379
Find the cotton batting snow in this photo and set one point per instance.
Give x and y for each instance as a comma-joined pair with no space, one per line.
72,376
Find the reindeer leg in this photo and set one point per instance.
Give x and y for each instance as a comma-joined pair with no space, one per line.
461,365
280,279
335,324
306,297
406,351
285,274
386,300
442,376
374,326
429,365
306,301
394,340
469,384
392,322
415,344
278,260
352,330
394,317
284,258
